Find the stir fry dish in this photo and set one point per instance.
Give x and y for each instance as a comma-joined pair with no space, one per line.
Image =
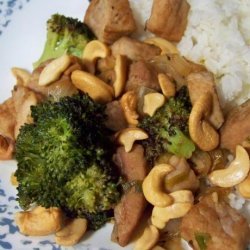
112,128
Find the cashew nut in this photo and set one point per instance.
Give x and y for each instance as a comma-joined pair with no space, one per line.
97,89
167,87
129,104
40,221
165,46
235,173
183,201
128,136
148,239
120,74
152,102
244,188
92,51
72,232
13,180
201,132
152,186
22,76
182,196
54,69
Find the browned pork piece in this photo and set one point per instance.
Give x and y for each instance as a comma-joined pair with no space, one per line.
168,19
200,83
110,19
134,49
142,74
236,129
7,126
129,211
213,225
115,116
23,99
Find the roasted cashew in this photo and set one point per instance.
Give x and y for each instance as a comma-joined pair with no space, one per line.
167,87
148,239
152,186
22,76
13,180
165,46
72,232
244,188
92,51
97,89
152,102
128,136
129,104
120,74
201,132
54,69
39,221
235,173
183,201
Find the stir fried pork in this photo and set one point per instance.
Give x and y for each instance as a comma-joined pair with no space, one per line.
110,19
134,49
115,116
202,82
214,225
168,19
23,99
7,126
129,211
142,74
236,128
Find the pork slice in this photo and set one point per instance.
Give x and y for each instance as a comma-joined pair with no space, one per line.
142,74
203,82
236,128
128,214
135,50
216,224
168,19
110,19
129,211
7,126
23,99
132,165
115,116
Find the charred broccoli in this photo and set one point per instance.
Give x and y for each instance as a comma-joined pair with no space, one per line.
64,35
168,128
63,160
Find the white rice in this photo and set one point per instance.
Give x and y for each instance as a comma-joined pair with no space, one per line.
218,36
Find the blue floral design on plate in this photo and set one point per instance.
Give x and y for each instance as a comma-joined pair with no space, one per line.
7,8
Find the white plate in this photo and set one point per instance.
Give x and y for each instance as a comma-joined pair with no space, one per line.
23,31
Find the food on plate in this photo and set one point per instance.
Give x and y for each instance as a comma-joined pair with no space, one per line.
168,128
112,127
213,224
64,35
173,19
110,19
236,129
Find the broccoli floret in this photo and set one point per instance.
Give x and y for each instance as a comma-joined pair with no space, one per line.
168,128
64,35
64,159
